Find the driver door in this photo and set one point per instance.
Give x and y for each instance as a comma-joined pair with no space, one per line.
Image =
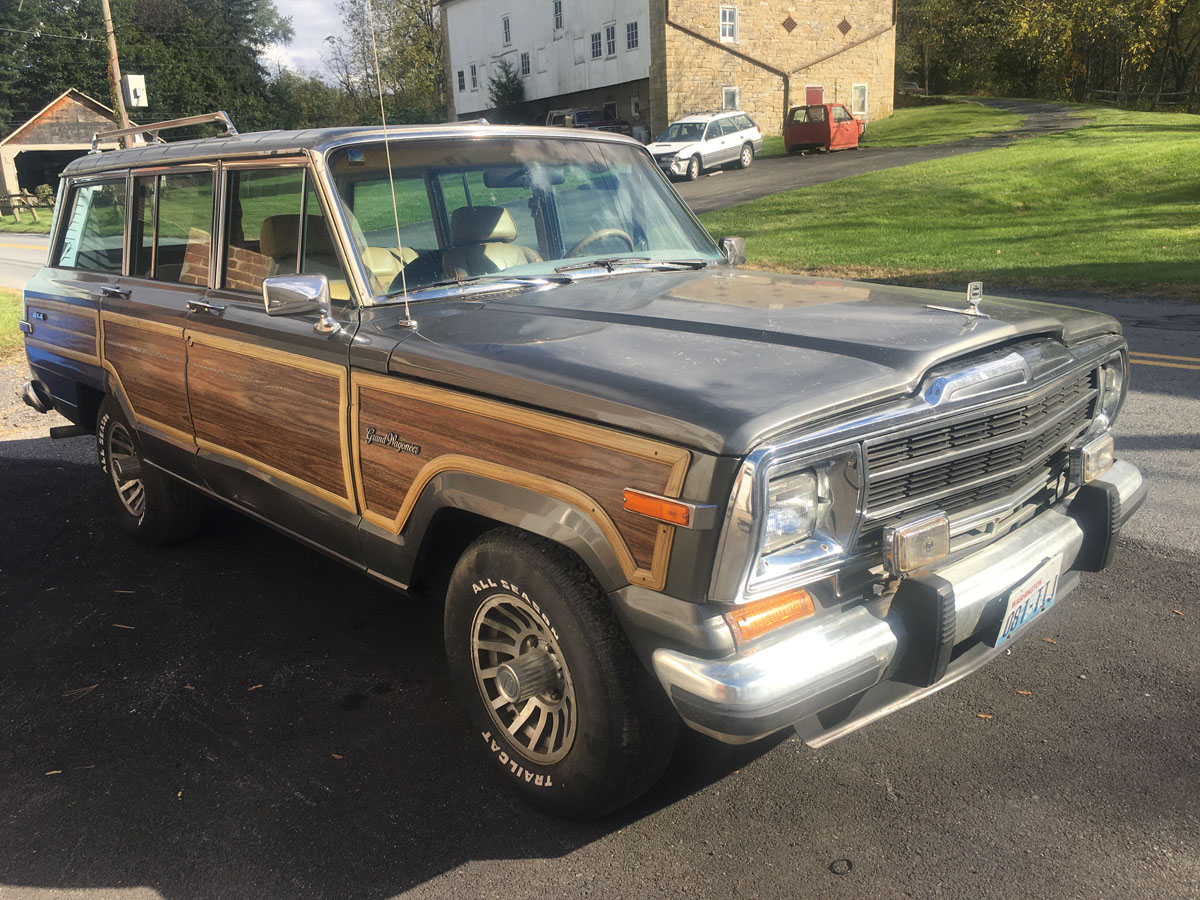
268,395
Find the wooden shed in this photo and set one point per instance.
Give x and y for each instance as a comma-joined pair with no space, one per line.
38,150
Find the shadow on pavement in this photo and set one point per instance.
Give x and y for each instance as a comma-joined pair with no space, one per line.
238,717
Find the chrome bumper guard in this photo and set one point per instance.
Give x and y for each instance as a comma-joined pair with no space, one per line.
832,675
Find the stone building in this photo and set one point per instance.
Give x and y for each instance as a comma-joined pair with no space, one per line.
35,152
653,61
768,56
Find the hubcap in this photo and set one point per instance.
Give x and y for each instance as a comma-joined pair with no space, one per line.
131,491
512,648
746,157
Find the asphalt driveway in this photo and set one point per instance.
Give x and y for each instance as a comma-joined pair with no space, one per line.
239,717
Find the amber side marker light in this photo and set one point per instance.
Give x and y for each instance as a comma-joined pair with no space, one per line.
664,509
753,620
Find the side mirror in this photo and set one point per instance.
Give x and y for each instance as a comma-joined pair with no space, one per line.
734,249
293,295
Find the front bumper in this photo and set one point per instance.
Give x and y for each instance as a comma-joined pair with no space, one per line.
833,674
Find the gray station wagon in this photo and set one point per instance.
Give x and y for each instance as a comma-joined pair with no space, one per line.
660,487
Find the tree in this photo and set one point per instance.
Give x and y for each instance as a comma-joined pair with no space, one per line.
197,55
408,40
506,93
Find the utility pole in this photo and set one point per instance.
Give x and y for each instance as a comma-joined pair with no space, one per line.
114,67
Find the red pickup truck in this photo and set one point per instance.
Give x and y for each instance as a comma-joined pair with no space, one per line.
829,125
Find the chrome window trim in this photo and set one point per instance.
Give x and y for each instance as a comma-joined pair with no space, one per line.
1050,363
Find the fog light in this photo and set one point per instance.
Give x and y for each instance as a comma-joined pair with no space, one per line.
1091,460
752,620
914,545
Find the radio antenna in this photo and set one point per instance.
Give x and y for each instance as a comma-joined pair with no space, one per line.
387,149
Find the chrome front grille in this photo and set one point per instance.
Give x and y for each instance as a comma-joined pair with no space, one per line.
960,463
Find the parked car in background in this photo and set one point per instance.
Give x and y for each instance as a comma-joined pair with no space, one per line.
707,140
911,87
595,119
830,126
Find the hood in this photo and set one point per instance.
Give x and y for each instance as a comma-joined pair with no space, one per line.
675,147
717,360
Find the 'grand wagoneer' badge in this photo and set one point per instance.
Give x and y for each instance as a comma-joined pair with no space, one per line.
391,439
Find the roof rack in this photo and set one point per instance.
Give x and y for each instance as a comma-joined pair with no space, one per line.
152,129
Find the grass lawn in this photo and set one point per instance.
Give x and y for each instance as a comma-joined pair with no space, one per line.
27,225
10,313
925,125
1113,207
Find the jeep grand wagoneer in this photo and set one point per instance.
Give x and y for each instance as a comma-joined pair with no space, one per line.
664,487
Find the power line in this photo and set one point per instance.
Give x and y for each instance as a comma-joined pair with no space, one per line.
69,37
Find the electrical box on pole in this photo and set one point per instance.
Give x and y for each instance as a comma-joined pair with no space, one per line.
134,89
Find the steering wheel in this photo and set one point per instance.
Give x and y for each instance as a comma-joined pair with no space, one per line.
600,235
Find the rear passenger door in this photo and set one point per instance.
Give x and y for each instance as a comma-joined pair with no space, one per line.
268,394
142,322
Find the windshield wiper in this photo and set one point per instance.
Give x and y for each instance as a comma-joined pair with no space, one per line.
612,262
477,279
604,262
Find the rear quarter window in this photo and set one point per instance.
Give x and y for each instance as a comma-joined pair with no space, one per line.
93,236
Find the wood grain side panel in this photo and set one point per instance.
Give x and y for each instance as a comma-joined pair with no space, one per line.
270,413
64,326
572,458
150,366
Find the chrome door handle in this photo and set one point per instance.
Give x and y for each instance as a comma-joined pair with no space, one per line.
204,306
117,293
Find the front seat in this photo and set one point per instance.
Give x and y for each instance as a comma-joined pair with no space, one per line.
483,242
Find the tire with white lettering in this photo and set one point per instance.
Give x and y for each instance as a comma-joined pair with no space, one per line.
149,504
556,696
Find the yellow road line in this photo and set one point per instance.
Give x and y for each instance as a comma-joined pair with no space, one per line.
25,246
1190,359
1165,365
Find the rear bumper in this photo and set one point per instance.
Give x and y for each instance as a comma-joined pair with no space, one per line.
832,675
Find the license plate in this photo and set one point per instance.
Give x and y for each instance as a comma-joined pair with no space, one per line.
1030,598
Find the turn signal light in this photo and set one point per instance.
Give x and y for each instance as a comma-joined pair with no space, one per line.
664,509
753,620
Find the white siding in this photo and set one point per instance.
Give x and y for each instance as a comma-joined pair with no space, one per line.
561,60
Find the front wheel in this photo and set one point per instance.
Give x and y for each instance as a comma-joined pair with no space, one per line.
746,157
149,504
693,169
557,698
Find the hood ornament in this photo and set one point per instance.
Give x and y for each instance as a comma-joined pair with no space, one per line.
974,298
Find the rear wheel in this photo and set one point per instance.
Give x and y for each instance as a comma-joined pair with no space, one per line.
693,169
148,503
746,157
556,696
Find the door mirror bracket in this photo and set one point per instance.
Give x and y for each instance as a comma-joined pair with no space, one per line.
734,249
293,295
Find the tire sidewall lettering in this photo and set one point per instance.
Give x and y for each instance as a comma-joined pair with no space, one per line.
490,583
514,766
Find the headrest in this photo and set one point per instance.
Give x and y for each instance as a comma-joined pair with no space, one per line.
482,225
279,233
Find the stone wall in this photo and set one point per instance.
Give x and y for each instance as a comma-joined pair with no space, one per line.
833,43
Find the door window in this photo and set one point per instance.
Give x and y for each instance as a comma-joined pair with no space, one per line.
840,114
95,229
183,228
145,191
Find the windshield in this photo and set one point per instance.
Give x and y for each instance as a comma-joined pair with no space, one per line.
507,207
682,133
